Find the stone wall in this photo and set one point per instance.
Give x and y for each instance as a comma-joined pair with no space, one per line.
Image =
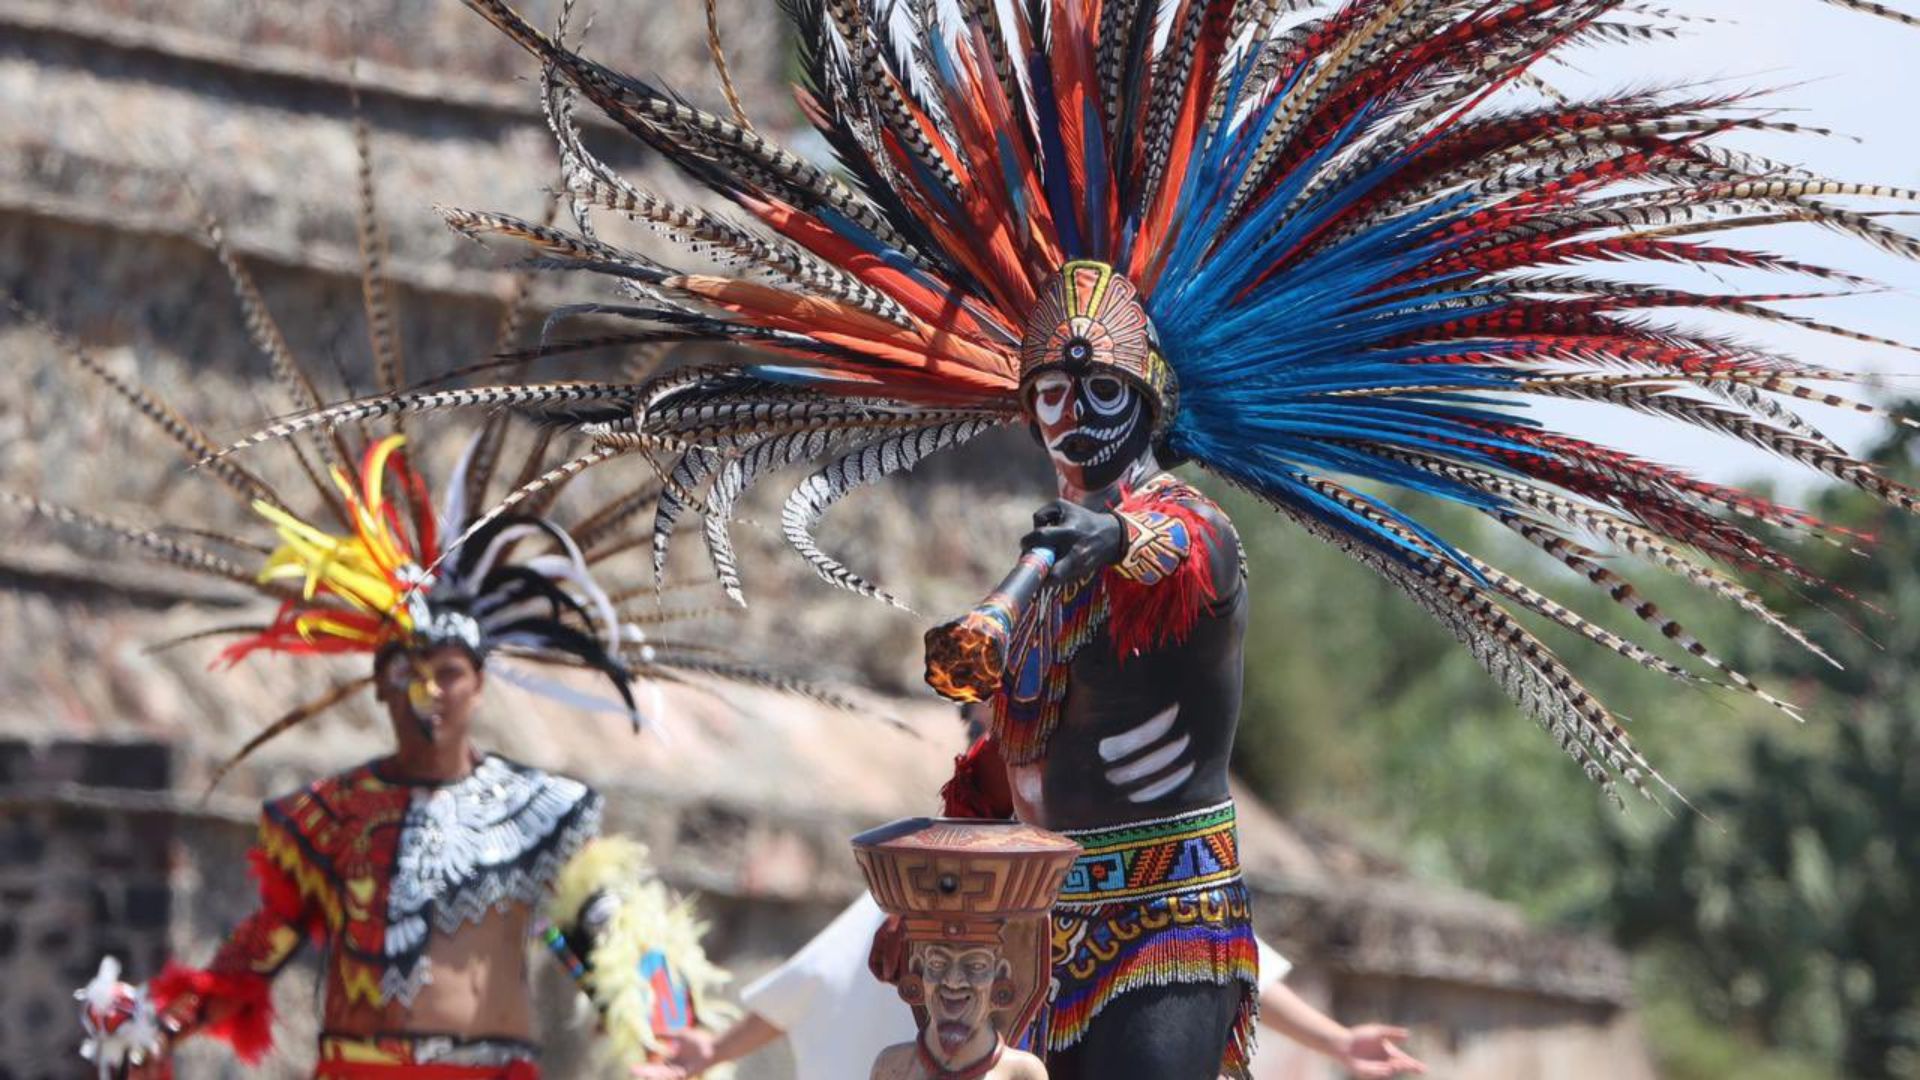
79,878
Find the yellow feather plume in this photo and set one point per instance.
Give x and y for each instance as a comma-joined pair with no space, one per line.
649,919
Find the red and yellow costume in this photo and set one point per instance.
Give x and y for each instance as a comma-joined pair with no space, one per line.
371,868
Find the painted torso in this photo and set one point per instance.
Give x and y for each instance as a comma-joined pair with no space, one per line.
1094,737
423,893
1144,737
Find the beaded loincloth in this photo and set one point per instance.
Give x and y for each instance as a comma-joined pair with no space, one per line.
1155,903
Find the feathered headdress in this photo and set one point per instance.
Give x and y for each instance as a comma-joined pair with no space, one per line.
389,584
1360,233
374,563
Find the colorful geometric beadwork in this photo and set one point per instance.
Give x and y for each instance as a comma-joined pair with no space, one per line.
1154,903
1060,622
1165,857
1103,951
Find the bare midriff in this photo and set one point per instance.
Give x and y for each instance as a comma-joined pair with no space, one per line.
478,987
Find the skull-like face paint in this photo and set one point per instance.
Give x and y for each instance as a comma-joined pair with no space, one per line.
1093,424
1093,381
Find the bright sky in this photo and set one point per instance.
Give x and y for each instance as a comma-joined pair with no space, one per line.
1851,72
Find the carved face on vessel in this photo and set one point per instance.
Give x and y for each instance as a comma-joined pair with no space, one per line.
1093,383
960,985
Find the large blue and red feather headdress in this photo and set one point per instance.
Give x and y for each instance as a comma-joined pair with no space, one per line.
1364,234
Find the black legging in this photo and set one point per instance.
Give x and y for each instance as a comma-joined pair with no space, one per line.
1154,1033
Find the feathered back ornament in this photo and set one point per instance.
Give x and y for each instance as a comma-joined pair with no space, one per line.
1360,232
635,949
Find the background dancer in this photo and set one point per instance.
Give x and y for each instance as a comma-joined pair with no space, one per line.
424,872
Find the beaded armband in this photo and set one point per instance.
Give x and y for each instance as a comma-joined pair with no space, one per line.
1156,544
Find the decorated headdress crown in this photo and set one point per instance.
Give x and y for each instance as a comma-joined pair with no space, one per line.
1091,318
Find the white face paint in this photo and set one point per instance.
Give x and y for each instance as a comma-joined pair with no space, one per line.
1107,394
1052,393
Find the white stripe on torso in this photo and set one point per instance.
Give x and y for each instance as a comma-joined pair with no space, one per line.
1164,787
1135,739
1152,763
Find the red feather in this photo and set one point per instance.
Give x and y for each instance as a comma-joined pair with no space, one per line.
1145,618
238,1005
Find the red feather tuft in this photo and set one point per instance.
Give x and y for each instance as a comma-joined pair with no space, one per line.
978,789
237,1005
1143,618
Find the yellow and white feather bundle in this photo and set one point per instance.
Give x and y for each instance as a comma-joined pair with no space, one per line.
648,919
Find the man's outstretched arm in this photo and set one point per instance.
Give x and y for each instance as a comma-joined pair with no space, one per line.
231,999
694,1054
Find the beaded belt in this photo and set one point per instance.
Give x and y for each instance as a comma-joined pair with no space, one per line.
353,1055
1149,859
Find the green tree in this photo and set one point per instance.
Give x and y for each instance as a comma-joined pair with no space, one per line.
1794,897
1784,914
